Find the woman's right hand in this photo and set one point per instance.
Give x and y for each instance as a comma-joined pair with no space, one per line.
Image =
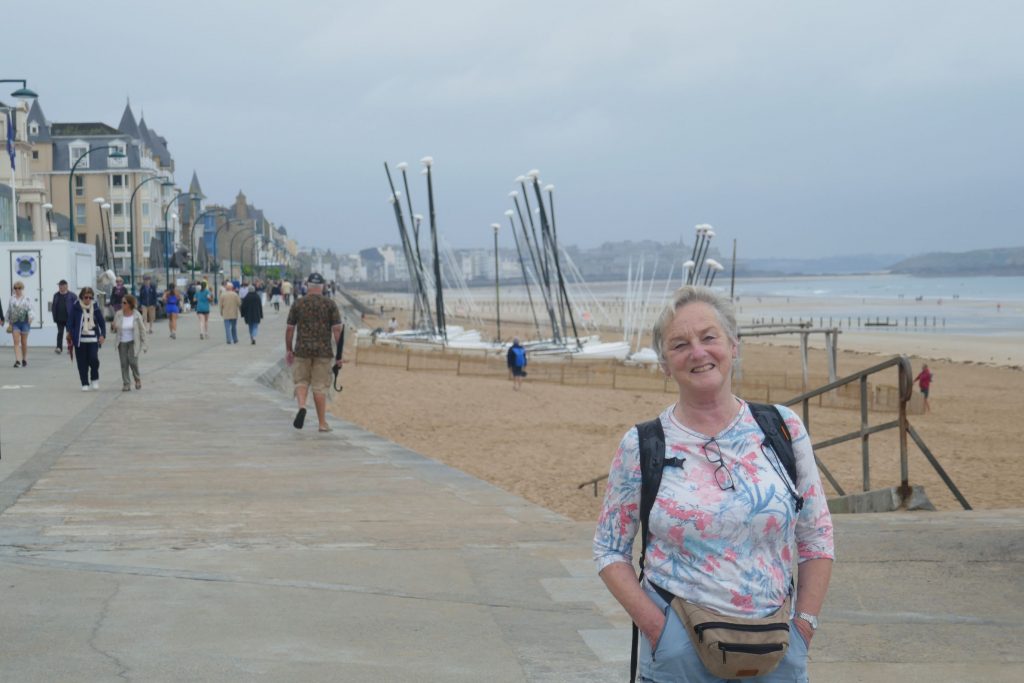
654,634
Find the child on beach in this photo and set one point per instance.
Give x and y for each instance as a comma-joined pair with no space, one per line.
924,379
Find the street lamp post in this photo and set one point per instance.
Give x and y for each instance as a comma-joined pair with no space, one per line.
168,244
241,251
497,289
216,261
165,181
108,236
99,202
231,252
192,235
48,208
112,153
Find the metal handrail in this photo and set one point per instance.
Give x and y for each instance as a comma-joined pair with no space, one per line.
906,386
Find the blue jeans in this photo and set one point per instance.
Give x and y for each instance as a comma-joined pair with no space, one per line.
674,658
231,330
254,329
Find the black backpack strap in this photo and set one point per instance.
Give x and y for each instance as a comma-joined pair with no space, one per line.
777,435
651,440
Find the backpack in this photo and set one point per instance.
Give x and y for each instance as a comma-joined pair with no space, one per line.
519,355
653,462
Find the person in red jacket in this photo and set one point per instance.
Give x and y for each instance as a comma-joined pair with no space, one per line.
924,379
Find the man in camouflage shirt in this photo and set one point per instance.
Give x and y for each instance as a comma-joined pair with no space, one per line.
317,319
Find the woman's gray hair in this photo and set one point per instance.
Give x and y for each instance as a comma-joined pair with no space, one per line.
688,295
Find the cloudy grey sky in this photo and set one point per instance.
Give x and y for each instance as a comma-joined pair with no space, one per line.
801,128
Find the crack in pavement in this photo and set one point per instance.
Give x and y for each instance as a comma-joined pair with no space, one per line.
186,575
122,670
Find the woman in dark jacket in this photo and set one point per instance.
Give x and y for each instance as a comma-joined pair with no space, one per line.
252,311
86,332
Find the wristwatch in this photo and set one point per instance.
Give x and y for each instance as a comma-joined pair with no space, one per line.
809,618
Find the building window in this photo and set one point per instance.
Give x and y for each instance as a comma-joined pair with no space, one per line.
79,152
81,237
80,213
118,162
145,209
79,186
119,208
117,180
35,154
33,128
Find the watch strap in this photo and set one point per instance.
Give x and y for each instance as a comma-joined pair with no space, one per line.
809,618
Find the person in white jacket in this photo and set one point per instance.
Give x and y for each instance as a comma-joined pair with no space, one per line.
19,321
130,329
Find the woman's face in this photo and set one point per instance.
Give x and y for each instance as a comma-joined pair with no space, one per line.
698,352
126,308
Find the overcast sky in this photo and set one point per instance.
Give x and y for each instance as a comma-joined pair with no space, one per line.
800,128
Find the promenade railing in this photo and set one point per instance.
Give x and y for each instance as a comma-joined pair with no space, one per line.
858,383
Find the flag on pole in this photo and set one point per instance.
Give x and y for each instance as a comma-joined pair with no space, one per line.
10,137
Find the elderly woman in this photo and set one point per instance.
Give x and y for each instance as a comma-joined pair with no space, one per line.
130,331
726,520
86,333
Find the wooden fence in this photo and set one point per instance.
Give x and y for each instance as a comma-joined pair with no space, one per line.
609,374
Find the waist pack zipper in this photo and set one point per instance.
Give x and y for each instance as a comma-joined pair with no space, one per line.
726,648
700,628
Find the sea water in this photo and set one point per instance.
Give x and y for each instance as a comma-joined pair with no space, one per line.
962,305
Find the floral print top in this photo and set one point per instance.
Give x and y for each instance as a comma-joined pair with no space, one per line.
730,550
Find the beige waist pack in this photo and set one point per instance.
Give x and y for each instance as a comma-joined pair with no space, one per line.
736,647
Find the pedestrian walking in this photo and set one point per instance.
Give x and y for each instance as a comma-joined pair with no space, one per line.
86,333
275,295
60,309
147,302
20,317
286,292
130,331
252,312
230,307
312,322
924,380
117,295
516,359
203,310
172,306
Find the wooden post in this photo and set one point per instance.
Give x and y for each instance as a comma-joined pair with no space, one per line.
803,357
864,437
408,358
830,352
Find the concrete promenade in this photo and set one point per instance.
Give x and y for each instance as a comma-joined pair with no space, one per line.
186,532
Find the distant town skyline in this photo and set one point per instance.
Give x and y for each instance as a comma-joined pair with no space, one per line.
802,129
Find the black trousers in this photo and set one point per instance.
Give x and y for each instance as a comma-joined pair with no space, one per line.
87,356
61,326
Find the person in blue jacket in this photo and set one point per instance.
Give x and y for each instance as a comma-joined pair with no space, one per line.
516,359
147,302
86,333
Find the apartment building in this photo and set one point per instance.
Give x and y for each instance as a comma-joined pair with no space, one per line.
102,181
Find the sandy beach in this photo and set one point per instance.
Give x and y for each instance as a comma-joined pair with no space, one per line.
544,441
